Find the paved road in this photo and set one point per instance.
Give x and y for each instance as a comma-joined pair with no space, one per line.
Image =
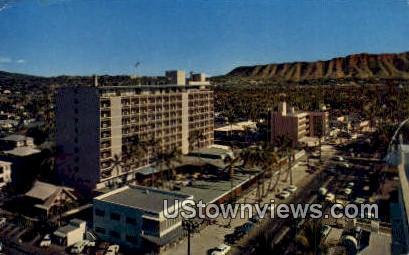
213,235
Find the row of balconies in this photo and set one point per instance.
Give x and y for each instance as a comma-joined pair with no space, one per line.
198,125
105,134
150,100
172,109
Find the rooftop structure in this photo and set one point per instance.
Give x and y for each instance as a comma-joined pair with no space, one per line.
237,127
16,141
22,151
70,234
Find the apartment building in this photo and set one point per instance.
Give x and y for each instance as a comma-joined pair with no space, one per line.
95,125
5,173
296,125
319,123
133,217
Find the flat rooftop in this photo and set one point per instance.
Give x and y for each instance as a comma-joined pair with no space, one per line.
144,198
211,190
22,151
16,138
239,126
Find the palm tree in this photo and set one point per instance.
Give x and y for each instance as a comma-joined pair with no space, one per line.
231,163
311,241
271,167
116,163
254,157
169,159
290,156
194,139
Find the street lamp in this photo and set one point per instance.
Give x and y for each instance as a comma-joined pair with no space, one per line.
189,225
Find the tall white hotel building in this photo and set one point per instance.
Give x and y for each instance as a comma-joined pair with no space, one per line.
94,123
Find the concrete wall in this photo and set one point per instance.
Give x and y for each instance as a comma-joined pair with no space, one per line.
77,137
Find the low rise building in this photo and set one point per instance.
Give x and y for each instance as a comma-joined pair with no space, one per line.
296,125
133,217
70,234
48,199
16,141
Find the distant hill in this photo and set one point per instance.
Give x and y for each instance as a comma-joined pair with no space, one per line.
356,66
16,80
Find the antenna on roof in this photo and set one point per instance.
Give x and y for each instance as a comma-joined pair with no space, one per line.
137,64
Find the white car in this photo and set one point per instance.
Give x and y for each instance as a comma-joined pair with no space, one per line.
221,250
78,247
329,197
359,200
284,194
46,242
291,188
322,191
339,158
347,191
350,184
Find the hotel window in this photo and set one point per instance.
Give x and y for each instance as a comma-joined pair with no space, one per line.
99,212
100,230
130,221
131,239
115,216
114,234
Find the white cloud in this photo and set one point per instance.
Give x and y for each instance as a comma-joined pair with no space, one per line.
4,4
21,61
5,60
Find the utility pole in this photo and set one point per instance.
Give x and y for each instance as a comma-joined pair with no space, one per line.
188,225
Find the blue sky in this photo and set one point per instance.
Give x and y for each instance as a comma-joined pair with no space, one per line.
53,37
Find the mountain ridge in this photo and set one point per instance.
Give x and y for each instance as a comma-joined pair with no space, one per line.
359,66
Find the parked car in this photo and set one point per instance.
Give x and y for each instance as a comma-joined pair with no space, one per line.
322,191
347,191
339,158
350,184
359,200
291,188
112,250
3,222
78,247
283,194
46,241
330,197
222,249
